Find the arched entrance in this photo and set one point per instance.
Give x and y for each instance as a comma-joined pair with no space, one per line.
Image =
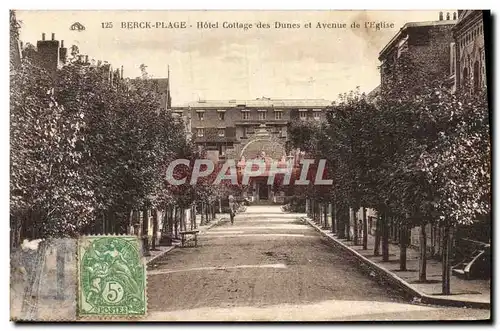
254,148
269,148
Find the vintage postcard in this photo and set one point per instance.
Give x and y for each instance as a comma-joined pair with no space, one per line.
250,165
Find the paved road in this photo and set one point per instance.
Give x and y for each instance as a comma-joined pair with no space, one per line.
270,266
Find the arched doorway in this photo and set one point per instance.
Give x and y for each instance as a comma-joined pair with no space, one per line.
268,150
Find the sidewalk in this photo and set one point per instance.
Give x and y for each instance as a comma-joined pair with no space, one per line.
470,293
162,250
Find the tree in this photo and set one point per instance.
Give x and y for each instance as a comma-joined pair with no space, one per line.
49,193
459,165
86,150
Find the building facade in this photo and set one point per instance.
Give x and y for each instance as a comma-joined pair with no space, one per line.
469,62
245,128
427,44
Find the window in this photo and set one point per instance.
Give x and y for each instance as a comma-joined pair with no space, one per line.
200,132
277,115
303,115
283,131
245,115
245,131
402,46
221,116
200,116
221,132
262,115
316,115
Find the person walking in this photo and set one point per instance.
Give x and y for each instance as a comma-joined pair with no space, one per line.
232,208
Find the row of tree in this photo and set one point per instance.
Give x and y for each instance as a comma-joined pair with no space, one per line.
89,152
418,154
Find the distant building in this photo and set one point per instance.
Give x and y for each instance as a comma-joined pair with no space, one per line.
428,44
469,62
161,86
51,55
245,128
48,54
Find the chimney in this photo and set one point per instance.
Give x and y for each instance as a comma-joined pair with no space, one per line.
63,52
48,54
440,15
447,16
53,36
455,16
121,72
21,44
86,59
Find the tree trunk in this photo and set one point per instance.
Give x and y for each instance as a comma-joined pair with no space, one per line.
313,216
320,215
422,265
385,238
207,213
378,234
176,222
355,238
192,223
403,241
171,222
334,218
340,225
365,230
324,212
447,242
155,229
202,213
183,219
145,228
313,207
347,224
166,233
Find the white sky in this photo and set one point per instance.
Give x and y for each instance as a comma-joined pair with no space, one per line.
230,63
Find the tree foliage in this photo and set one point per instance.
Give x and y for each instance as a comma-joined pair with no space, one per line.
421,150
86,143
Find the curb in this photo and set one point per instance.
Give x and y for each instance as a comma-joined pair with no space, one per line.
217,221
154,258
398,282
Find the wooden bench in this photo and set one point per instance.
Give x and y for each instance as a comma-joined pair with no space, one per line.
186,233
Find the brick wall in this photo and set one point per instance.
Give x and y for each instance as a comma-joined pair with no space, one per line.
430,48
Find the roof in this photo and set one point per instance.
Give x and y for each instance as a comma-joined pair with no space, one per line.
467,17
161,84
258,103
402,31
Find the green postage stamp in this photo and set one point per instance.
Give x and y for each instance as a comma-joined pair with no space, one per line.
111,277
